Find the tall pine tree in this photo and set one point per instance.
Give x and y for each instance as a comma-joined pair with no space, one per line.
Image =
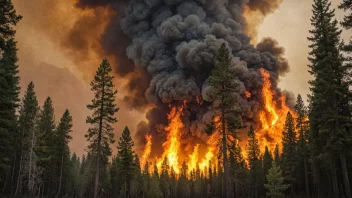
302,146
289,142
126,166
45,144
26,157
100,134
329,116
9,89
62,151
223,83
254,162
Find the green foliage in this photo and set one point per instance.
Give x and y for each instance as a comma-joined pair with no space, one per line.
275,182
289,144
9,87
100,133
267,160
126,165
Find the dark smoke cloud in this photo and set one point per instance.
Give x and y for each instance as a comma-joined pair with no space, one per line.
171,45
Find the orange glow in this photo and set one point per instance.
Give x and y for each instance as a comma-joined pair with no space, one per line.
199,100
172,144
272,116
247,94
147,150
193,159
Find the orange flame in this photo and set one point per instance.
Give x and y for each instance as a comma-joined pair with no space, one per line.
193,159
247,94
272,117
147,150
172,144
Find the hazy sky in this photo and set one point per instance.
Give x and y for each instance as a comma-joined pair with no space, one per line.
289,25
39,42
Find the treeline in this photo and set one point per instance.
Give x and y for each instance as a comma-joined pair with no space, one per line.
315,158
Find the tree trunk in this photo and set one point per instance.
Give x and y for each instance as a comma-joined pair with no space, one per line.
60,180
224,151
346,181
306,176
99,144
335,186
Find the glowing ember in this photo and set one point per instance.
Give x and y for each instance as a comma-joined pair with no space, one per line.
272,116
147,150
247,94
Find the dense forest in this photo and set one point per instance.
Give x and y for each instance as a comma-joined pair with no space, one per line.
315,159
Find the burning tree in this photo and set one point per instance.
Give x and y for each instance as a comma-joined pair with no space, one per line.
103,105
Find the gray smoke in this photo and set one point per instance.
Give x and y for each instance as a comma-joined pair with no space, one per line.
171,46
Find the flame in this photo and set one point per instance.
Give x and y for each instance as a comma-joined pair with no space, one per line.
272,116
199,100
147,150
193,159
172,144
247,94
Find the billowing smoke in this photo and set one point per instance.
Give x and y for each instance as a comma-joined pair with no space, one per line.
171,46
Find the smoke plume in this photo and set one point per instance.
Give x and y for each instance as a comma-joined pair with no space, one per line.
171,45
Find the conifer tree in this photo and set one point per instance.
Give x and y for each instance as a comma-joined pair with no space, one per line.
302,149
346,5
126,166
154,190
9,89
223,83
62,151
267,160
329,116
27,121
277,155
289,150
275,182
254,162
100,134
45,143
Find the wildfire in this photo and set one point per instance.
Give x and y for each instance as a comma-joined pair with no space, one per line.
147,150
172,144
272,117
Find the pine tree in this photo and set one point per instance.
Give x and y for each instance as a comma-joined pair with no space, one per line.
289,150
329,116
100,133
267,160
223,83
126,165
27,121
9,89
62,151
277,155
346,5
302,149
154,190
275,182
45,143
254,162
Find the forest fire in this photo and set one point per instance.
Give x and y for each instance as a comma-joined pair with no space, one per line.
272,117
269,133
147,150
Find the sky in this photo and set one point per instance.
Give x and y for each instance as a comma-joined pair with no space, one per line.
57,69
